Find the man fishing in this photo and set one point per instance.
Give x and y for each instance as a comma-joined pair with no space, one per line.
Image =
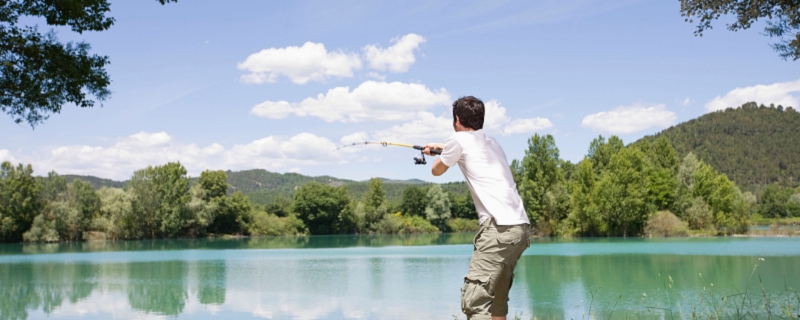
505,229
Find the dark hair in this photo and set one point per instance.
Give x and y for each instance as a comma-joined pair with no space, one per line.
470,112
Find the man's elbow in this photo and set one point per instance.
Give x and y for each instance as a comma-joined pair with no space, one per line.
437,173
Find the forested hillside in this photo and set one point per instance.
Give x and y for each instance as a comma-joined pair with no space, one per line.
753,145
96,182
262,186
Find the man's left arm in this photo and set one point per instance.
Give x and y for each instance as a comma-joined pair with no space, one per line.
439,168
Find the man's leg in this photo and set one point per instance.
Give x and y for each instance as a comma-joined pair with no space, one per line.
486,285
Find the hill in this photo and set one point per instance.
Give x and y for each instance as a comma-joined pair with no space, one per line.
753,145
263,186
96,182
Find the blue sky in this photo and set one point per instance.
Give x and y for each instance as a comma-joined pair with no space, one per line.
279,85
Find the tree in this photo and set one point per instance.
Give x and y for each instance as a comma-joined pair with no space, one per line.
19,200
783,19
621,194
38,74
601,151
539,174
414,202
376,194
116,206
462,206
685,193
582,214
214,182
320,205
438,209
51,186
774,200
160,195
281,206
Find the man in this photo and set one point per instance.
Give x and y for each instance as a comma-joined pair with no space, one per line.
505,229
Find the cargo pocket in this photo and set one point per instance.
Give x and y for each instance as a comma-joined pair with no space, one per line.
509,236
476,295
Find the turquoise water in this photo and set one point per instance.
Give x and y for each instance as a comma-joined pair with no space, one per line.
380,277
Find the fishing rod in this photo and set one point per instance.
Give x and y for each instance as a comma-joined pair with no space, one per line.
404,145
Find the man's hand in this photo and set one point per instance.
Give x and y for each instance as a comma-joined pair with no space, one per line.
432,146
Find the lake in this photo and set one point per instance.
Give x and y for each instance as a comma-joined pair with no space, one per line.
390,277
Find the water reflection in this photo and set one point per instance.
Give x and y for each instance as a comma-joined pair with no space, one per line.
357,283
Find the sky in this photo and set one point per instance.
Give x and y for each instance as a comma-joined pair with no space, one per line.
239,85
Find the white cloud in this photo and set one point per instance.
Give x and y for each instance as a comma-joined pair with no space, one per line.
630,119
371,100
376,76
782,93
137,151
295,170
427,127
686,101
529,125
311,62
397,58
496,121
5,155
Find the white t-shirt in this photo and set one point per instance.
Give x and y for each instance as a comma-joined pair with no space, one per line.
488,175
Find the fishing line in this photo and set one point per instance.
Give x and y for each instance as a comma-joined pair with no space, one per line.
395,144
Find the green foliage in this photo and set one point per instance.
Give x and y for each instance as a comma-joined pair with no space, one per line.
774,201
415,200
376,195
601,151
582,213
116,208
665,224
38,74
233,214
214,183
159,197
541,184
51,186
699,215
782,16
281,206
319,206
462,225
462,206
438,209
400,224
19,201
751,144
267,224
620,196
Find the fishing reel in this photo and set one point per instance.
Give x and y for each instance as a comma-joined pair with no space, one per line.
420,160
422,153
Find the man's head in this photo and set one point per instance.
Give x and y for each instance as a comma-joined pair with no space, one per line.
469,112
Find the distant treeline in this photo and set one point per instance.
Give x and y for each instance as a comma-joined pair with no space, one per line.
617,190
163,202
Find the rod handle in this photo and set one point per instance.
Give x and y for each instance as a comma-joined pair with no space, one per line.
434,151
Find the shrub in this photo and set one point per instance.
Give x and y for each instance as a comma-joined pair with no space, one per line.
415,224
462,225
699,214
266,224
665,224
404,224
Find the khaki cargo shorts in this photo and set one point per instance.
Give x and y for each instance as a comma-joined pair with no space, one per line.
491,270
